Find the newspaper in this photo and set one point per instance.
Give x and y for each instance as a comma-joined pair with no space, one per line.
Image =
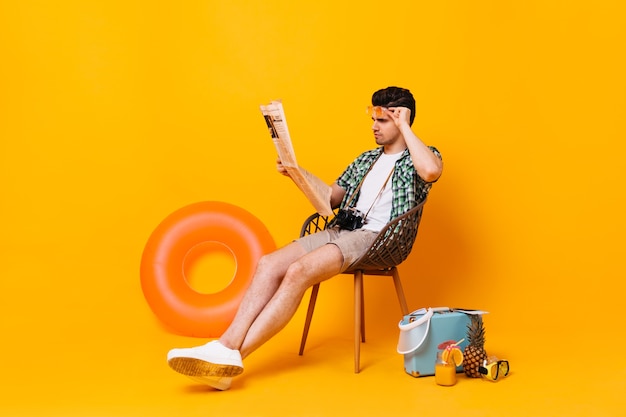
316,190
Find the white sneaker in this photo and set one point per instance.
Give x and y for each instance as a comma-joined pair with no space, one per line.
212,359
220,383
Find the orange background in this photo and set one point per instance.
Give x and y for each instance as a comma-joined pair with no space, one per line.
114,114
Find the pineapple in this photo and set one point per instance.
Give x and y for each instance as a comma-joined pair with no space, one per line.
474,353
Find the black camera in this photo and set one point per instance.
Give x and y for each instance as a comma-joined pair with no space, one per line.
348,219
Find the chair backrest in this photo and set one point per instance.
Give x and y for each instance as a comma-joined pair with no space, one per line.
392,245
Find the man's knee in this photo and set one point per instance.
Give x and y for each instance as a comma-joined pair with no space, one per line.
296,269
297,276
264,262
266,268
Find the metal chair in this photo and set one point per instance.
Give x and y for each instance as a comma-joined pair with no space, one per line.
392,246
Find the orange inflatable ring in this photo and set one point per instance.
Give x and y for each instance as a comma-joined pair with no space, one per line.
163,281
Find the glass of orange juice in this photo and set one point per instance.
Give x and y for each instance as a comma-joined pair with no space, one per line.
445,372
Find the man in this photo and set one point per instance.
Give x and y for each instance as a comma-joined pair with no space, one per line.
380,185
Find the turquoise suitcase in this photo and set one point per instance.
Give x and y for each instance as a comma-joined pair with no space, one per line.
424,329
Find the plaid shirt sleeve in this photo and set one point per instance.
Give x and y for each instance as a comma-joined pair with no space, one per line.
408,188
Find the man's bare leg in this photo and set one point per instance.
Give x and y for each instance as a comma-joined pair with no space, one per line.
270,302
267,278
313,268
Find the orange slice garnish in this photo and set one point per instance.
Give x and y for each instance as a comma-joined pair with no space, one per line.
452,355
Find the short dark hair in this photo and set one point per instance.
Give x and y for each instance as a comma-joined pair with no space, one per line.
395,97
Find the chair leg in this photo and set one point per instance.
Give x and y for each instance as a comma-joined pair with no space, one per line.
362,309
309,316
400,292
358,316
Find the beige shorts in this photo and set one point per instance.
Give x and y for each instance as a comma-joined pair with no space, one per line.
352,243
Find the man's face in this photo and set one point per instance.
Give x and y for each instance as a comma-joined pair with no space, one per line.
385,130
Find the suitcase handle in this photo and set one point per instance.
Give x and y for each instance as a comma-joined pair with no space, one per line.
406,327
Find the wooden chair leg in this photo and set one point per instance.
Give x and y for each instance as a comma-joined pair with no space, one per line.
400,292
309,316
362,309
358,311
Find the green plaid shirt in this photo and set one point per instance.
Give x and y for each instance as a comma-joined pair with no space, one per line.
408,188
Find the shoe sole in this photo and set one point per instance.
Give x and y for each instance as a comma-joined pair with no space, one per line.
197,367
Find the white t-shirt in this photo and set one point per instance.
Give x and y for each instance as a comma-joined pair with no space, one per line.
379,214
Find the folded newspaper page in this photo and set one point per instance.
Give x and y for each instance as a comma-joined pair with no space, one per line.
316,190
